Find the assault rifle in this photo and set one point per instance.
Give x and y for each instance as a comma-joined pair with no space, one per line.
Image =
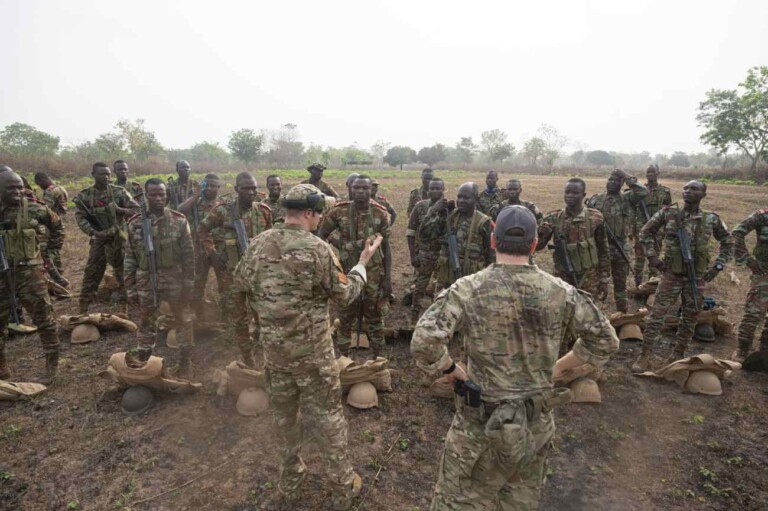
561,252
89,216
644,211
690,264
239,226
149,247
618,244
10,279
453,248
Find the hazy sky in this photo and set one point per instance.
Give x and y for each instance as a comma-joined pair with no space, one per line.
617,75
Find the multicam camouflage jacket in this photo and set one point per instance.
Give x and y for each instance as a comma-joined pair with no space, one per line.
22,228
758,222
618,210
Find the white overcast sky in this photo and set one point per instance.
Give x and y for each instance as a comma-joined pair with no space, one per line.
616,75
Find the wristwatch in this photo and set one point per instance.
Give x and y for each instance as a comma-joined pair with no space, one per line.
719,266
450,369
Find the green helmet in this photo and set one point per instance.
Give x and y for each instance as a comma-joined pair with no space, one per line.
704,333
137,400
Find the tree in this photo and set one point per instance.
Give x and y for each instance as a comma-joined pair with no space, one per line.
496,146
399,155
140,142
465,150
285,148
353,155
432,155
679,159
24,140
600,158
208,151
379,149
554,142
533,149
733,118
245,145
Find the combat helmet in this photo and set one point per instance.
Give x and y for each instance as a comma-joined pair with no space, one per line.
585,390
363,395
704,333
704,382
137,400
84,333
252,402
630,332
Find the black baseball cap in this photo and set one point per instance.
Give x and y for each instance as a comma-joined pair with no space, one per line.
515,223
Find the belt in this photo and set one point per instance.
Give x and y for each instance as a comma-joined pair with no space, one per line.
534,405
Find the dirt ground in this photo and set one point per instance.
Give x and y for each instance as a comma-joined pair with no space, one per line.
647,446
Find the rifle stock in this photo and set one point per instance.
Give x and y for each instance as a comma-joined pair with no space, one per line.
561,252
453,251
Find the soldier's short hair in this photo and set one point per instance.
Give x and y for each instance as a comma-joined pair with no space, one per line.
153,181
210,177
514,180
437,180
99,165
273,176
364,176
244,175
119,161
427,170
39,176
579,181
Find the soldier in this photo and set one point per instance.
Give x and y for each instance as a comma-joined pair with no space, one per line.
471,227
134,187
491,196
421,193
19,219
219,237
757,298
701,226
512,316
196,208
357,221
423,254
275,199
303,274
174,257
316,179
658,197
350,179
183,187
383,201
617,207
514,189
54,196
584,232
100,214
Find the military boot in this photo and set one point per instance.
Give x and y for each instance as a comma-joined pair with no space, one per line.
248,359
345,502
56,276
83,306
677,354
184,369
643,362
5,372
51,368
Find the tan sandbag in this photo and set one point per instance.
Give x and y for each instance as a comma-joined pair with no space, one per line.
103,321
12,391
241,377
152,374
441,388
374,371
585,370
647,288
619,319
714,317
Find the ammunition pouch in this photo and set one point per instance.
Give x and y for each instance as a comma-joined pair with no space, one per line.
22,245
583,255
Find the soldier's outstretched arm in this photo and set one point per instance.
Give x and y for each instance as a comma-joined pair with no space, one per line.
545,232
429,344
740,232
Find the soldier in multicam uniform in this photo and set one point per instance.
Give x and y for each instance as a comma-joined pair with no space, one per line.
275,198
658,197
136,189
383,201
357,221
471,227
181,188
514,189
421,193
491,196
587,243
757,298
316,179
513,317
101,213
174,256
217,233
617,209
290,276
424,253
701,226
19,222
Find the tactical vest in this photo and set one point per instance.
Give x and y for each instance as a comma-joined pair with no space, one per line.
699,247
583,253
167,253
761,248
107,213
231,248
20,237
471,258
350,256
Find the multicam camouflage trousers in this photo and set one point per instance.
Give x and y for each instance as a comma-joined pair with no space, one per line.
32,292
475,476
619,272
102,251
170,289
371,314
427,266
313,396
754,313
670,288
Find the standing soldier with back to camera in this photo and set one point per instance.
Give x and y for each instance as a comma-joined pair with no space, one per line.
490,197
101,213
316,171
658,197
698,226
291,275
218,235
181,188
175,260
19,220
421,193
356,221
136,189
514,189
512,317
617,208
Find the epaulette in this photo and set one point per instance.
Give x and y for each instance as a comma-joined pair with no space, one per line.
379,206
343,203
176,213
264,206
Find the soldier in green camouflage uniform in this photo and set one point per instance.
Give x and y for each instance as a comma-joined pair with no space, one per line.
218,235
56,198
181,188
384,202
617,209
101,213
584,231
174,256
275,198
491,196
316,179
356,221
512,317
135,188
19,222
290,276
757,298
423,254
658,197
514,189
421,193
701,226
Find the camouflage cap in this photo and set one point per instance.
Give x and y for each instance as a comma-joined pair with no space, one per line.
317,166
515,223
304,196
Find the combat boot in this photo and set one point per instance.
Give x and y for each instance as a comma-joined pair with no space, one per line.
56,276
5,372
51,368
643,362
248,359
83,306
346,503
677,354
739,354
184,369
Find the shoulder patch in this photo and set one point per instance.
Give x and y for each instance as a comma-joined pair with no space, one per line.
265,207
176,213
343,203
379,206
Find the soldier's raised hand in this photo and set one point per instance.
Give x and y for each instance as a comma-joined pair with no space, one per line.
371,246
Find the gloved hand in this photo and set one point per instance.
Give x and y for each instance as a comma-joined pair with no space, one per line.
657,263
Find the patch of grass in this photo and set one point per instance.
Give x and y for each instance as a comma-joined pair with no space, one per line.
714,491
12,431
707,474
73,504
6,476
694,419
403,444
734,460
369,436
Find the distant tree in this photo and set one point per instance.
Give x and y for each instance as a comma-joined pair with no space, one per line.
399,155
353,155
679,159
208,151
465,150
285,148
245,145
496,145
639,160
432,155
554,142
24,140
110,145
578,157
140,142
660,159
378,150
733,118
533,149
600,158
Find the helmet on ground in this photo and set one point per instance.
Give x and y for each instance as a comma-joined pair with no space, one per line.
704,333
252,402
584,390
757,361
630,332
704,382
137,400
84,333
363,395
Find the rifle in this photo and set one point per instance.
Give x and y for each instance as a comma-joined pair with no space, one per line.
239,225
149,247
89,216
561,252
10,277
644,211
685,252
617,243
453,250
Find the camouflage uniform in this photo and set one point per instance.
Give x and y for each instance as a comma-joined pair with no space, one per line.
386,205
217,234
587,246
417,195
617,213
473,236
202,264
354,226
178,192
427,253
495,210
19,227
100,204
674,282
658,197
278,210
486,201
757,298
513,319
56,198
322,186
290,275
174,255
136,190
